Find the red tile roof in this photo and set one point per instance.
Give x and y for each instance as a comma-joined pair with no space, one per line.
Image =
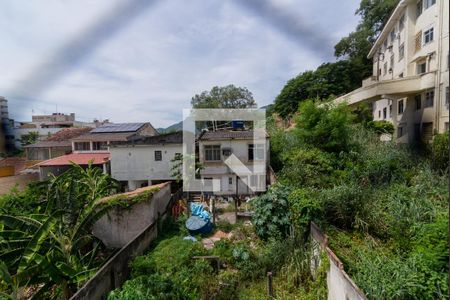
68,133
77,158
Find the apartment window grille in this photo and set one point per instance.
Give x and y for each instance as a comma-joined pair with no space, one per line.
385,68
429,99
421,68
158,155
385,113
429,3
401,23
82,146
401,52
212,152
419,8
418,101
447,97
400,107
99,146
428,36
255,152
392,36
418,41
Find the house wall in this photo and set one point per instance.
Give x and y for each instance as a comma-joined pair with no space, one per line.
137,164
219,170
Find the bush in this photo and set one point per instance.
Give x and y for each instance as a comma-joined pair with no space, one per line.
305,207
440,152
271,213
325,127
380,127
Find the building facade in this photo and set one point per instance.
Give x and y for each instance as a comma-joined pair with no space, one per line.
409,85
142,161
216,146
6,129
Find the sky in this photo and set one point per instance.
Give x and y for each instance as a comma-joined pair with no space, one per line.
143,60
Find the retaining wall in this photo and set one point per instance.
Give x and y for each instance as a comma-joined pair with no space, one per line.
340,285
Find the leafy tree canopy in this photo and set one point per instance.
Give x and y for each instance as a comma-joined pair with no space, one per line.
228,96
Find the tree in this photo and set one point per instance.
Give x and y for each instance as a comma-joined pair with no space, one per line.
228,96
29,138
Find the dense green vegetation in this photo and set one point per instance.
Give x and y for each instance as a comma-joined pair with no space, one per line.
383,205
46,246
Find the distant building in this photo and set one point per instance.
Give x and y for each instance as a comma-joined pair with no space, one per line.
216,146
142,161
410,82
6,133
56,145
94,146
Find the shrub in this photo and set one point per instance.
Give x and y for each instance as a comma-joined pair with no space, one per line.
325,127
271,213
305,207
440,152
381,127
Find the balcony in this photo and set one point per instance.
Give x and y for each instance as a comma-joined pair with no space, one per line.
374,90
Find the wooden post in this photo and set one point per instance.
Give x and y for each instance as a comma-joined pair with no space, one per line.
270,284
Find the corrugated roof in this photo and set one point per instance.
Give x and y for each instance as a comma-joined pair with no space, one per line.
168,138
228,135
77,158
50,144
118,127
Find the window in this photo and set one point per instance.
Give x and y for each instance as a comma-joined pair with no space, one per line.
429,3
82,146
385,113
428,36
401,23
253,180
391,68
158,155
392,36
419,8
446,126
255,152
385,68
418,101
212,152
401,51
379,114
400,131
400,107
421,67
99,146
429,99
447,97
230,180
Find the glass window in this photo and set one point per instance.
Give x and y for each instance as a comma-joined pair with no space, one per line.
230,180
385,113
418,101
400,131
400,107
212,152
401,52
428,36
82,146
421,68
99,146
429,3
253,180
419,8
255,152
385,68
379,114
429,99
158,155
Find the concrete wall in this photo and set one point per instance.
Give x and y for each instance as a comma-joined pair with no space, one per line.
120,225
137,163
340,286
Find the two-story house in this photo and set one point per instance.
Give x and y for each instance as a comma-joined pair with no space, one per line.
214,147
410,85
93,147
145,160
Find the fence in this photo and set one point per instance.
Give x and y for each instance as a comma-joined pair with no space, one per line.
116,270
339,284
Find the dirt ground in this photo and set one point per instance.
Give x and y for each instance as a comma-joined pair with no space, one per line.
9,182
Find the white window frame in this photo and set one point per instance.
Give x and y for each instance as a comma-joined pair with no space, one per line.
82,143
429,99
258,151
212,152
430,33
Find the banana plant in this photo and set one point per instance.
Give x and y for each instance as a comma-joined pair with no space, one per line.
56,250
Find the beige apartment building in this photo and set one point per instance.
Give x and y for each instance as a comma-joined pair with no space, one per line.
410,82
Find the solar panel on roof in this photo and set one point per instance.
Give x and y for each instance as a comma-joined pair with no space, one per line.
118,127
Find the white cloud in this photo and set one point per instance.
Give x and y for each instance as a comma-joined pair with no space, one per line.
150,69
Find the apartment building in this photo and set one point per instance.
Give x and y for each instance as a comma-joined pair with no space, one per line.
410,85
217,146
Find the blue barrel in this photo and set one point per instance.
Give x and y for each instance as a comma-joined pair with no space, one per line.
197,225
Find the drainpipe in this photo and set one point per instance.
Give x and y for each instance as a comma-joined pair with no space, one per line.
437,86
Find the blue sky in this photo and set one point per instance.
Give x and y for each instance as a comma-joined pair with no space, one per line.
143,60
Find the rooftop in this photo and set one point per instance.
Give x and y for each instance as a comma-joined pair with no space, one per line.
77,158
167,138
230,135
118,127
61,138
